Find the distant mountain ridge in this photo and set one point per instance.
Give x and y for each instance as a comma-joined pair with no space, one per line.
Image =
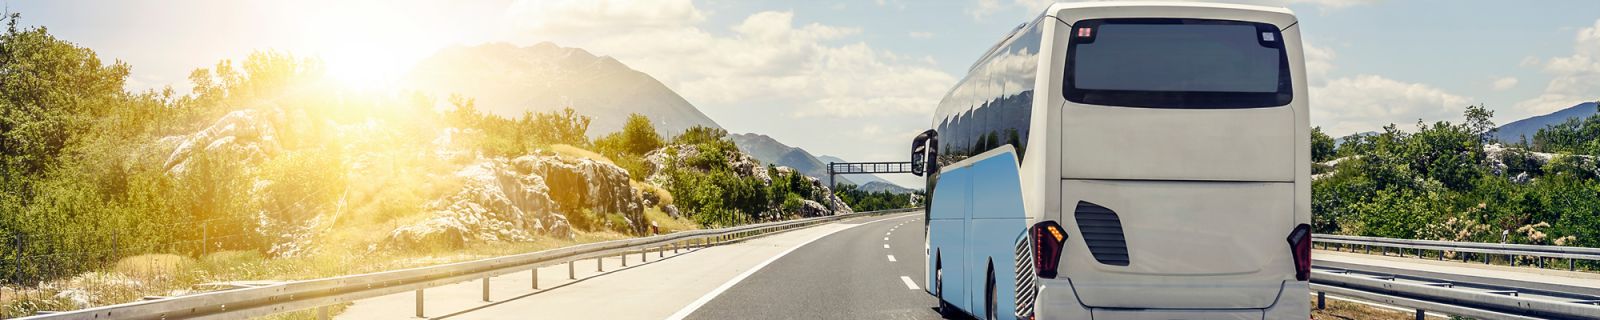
770,151
509,80
1514,132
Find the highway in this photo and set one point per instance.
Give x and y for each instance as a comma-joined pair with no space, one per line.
833,271
873,271
870,267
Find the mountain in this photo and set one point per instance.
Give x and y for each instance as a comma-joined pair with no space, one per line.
509,80
1514,131
877,186
769,150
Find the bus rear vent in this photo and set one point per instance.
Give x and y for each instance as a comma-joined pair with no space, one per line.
1102,230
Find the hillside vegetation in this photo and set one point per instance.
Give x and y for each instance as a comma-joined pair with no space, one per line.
1446,181
270,170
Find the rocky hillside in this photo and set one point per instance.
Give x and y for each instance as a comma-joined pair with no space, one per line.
508,80
484,198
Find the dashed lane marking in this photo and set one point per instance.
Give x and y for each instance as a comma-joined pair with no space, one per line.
909,284
891,258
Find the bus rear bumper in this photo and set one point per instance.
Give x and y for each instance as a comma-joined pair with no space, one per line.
1057,300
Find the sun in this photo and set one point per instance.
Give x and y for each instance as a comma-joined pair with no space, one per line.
365,66
368,45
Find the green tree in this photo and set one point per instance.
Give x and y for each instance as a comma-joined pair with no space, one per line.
1322,146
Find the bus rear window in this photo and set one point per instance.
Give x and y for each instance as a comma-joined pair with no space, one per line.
1177,63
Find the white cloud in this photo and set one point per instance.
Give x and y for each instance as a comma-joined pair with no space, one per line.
768,61
1574,78
921,35
591,16
1319,61
1504,83
1368,102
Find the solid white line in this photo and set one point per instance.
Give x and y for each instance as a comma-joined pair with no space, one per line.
688,309
909,284
891,258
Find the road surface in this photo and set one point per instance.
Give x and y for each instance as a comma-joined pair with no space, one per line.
832,271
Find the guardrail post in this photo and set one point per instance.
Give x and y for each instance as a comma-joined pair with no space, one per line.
1570,265
535,274
661,252
419,302
486,288
624,257
322,313
1321,300
572,272
1422,315
600,264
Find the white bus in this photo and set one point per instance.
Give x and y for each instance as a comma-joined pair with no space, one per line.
1143,160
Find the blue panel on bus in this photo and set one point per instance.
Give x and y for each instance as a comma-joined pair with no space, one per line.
976,215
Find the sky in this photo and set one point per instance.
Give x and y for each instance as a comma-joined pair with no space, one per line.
857,79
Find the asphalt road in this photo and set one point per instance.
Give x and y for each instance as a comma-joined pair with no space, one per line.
846,275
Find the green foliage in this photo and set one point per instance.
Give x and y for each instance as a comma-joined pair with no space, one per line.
862,200
1576,136
1438,183
504,137
1321,146
628,147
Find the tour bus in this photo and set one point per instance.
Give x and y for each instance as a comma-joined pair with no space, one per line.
1143,160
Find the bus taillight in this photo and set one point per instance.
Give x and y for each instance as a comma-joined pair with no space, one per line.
1048,239
1300,244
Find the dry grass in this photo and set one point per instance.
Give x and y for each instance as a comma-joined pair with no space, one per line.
153,265
576,152
666,197
666,222
1344,310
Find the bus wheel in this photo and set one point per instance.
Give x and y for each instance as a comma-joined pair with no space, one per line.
990,297
945,309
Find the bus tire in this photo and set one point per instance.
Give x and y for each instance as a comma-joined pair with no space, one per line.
989,296
945,309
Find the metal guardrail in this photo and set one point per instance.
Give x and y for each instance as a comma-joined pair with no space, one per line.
1443,297
1484,250
308,294
1446,297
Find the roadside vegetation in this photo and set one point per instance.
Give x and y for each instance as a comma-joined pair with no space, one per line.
863,200
1450,181
108,195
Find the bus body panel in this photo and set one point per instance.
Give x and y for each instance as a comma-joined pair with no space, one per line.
1191,245
996,211
1120,143
947,215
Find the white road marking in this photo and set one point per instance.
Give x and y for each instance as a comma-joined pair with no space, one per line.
891,258
885,246
909,284
885,238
